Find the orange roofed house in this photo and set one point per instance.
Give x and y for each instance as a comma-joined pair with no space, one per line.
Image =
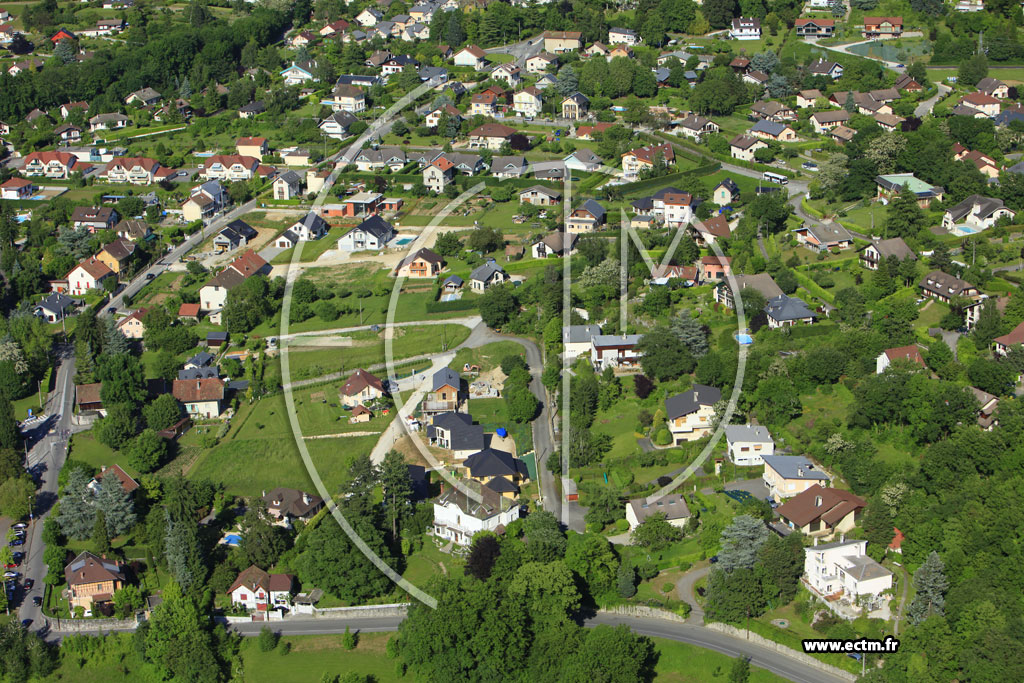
201,397
883,27
822,512
92,580
425,263
889,356
645,157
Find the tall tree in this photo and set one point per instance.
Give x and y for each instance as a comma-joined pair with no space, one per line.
397,487
930,584
741,541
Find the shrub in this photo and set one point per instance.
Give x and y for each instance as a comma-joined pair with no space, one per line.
663,437
667,587
348,640
621,525
267,639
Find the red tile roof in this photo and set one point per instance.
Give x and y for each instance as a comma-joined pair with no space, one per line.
1012,338
911,353
248,264
835,504
127,483
196,390
188,310
359,380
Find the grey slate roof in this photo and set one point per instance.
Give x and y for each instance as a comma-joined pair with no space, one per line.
376,226
783,308
201,359
747,433
199,373
672,505
464,434
986,207
579,334
768,127
57,303
794,467
595,209
690,401
491,462
485,272
445,376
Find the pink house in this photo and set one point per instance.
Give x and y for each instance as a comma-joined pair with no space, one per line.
713,268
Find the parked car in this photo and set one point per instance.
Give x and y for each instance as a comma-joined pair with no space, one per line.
19,525
37,601
150,276
112,310
11,575
29,583
17,542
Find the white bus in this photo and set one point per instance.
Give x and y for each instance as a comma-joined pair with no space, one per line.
775,178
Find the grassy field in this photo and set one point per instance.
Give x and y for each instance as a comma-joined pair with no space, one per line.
31,402
85,448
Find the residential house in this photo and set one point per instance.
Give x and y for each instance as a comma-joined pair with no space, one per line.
214,293
826,67
984,163
93,218
252,147
490,136
714,268
439,174
845,569
824,236
448,393
696,127
742,147
976,212
910,354
577,340
748,444
806,98
460,513
589,131
483,104
68,132
310,227
291,504
908,84
230,167
131,326
108,122
334,27
891,184
993,87
251,110
433,118
393,158
422,264
842,134
891,122
146,97
815,28
583,159
634,161
787,311
988,406
337,124
202,398
132,230
880,250
128,485
287,185
509,167
509,73
622,36
745,28
538,64
615,350
557,42
883,27
369,17
555,244
758,78
455,431
587,217
92,580
539,195
825,121
528,102
772,110
117,255
944,287
297,74
361,388
258,591
709,231
135,171
691,414
373,233
486,276
1002,344
55,307
361,204
820,511
497,470
89,274
17,188
301,39
986,104
770,130
575,106
50,164
672,506
761,282
471,56
786,476
189,312
204,201
726,192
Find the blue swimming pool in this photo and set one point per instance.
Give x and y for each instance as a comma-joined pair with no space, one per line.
744,339
402,241
232,539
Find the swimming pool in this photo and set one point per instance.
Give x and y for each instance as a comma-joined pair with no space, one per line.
744,339
402,241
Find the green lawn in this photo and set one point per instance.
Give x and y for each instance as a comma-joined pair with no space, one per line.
311,251
492,414
85,448
31,402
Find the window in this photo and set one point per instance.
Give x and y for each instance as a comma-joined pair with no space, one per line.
242,597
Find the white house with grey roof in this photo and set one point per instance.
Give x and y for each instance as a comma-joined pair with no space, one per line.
976,212
576,339
373,233
459,513
844,568
672,505
786,311
310,227
583,160
615,350
456,433
691,414
789,475
748,444
486,276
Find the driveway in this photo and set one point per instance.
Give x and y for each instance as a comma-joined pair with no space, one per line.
686,593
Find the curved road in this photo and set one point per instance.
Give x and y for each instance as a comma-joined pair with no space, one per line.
763,657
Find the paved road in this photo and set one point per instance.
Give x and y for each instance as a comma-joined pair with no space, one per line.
777,663
50,452
926,106
684,589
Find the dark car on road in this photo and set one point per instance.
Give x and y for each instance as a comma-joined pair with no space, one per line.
29,583
17,542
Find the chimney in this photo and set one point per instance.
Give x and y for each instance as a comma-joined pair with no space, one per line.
199,383
799,471
305,499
